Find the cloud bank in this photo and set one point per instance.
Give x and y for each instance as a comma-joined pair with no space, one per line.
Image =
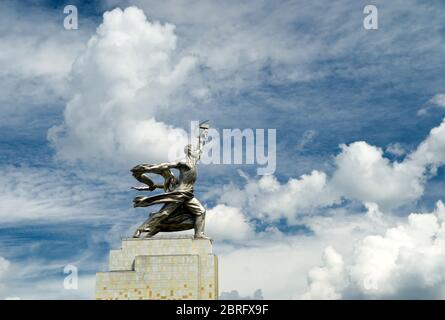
361,173
406,261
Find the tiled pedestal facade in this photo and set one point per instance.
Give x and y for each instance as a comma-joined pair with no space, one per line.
160,268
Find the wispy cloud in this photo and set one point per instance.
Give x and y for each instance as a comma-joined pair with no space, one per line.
44,194
438,101
36,56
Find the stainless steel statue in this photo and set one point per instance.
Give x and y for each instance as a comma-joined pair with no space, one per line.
180,210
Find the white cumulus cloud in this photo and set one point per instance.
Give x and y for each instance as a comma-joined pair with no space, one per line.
364,174
227,223
268,198
406,261
127,74
323,281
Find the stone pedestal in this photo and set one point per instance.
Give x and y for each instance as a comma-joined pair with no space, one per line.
160,268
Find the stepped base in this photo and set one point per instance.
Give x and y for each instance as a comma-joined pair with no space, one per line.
160,268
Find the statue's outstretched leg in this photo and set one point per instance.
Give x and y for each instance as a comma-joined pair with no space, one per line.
199,226
150,225
141,228
195,207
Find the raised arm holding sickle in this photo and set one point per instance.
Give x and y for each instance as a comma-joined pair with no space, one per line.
181,210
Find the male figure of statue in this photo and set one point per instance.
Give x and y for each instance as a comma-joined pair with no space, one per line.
181,210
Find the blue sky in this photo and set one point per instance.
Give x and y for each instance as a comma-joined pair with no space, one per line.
306,68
